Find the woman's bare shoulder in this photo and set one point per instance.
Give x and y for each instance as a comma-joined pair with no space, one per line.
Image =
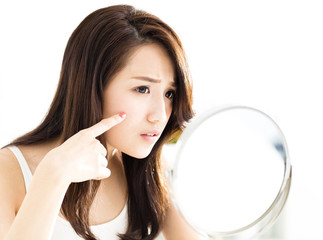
8,163
7,157
12,188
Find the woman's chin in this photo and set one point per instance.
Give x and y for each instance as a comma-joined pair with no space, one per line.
139,155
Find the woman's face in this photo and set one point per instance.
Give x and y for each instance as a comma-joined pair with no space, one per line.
144,90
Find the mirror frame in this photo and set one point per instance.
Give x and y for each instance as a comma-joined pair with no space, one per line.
267,219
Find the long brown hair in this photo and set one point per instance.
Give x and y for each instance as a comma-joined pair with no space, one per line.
95,52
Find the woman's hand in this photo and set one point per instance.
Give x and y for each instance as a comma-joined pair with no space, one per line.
82,157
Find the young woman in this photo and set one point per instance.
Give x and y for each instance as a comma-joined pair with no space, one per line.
93,168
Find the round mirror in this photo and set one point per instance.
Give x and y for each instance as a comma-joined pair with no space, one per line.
231,174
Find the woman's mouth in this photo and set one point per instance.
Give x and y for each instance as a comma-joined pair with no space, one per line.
151,136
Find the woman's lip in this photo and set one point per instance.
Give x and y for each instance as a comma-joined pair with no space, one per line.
153,133
150,137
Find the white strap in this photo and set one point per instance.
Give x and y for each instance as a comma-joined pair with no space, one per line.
23,165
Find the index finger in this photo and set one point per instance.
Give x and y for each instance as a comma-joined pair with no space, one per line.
105,124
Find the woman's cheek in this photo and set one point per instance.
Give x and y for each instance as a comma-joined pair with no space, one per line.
134,110
117,102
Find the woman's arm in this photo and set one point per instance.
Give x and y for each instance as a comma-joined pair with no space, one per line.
11,190
39,210
80,158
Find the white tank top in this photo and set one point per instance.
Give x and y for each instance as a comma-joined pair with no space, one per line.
63,230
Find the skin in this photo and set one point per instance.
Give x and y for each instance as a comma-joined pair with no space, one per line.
143,90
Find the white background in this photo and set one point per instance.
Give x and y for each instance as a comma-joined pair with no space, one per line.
264,54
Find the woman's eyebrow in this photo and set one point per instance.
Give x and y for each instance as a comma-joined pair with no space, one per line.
152,80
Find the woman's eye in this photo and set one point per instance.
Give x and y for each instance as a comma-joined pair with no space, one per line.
170,94
142,89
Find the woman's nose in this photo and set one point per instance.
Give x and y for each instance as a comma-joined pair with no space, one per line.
158,111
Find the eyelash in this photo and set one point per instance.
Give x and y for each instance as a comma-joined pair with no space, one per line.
145,90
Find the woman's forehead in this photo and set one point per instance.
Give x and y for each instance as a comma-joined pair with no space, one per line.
150,62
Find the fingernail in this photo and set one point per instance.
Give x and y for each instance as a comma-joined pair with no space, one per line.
123,115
